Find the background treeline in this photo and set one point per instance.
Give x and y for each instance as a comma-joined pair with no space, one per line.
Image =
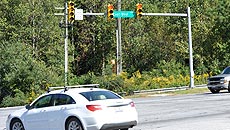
155,49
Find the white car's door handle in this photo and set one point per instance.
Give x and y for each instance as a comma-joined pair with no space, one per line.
63,108
43,110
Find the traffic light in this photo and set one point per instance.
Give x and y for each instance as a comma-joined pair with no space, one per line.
110,11
139,10
71,12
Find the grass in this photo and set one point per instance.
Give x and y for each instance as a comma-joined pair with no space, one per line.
178,92
191,91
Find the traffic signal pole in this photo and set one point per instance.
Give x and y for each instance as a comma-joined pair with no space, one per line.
188,15
66,43
118,34
190,49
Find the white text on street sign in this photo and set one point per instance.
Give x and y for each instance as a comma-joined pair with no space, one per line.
124,14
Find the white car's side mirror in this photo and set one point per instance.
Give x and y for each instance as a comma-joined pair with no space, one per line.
28,107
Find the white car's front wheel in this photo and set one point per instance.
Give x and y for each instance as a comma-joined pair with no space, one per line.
73,124
16,124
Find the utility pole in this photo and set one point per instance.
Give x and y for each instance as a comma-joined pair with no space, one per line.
119,50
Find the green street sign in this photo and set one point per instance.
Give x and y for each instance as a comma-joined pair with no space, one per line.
123,14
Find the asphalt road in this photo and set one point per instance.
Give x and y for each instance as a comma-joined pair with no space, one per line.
188,112
185,112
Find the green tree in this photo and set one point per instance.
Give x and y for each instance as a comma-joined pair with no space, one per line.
31,46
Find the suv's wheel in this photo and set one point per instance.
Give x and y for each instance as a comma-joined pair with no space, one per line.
73,124
16,124
214,90
229,87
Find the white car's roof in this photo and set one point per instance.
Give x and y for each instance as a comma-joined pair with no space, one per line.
75,90
71,91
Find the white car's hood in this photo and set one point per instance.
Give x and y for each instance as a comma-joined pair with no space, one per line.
19,112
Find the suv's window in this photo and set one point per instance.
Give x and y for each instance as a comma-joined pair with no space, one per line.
99,95
62,99
226,70
43,102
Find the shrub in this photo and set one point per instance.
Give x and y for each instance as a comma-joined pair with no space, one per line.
164,77
18,100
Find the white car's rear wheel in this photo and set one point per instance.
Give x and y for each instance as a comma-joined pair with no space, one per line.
73,124
16,125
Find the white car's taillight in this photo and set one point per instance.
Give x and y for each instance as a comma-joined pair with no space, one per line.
93,107
132,104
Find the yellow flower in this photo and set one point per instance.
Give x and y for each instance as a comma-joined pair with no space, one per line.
137,74
123,75
171,78
146,83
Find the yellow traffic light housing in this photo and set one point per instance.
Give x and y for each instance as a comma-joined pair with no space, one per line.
139,10
71,11
110,11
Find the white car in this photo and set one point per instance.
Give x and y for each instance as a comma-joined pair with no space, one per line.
76,109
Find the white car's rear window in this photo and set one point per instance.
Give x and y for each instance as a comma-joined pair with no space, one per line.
99,95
